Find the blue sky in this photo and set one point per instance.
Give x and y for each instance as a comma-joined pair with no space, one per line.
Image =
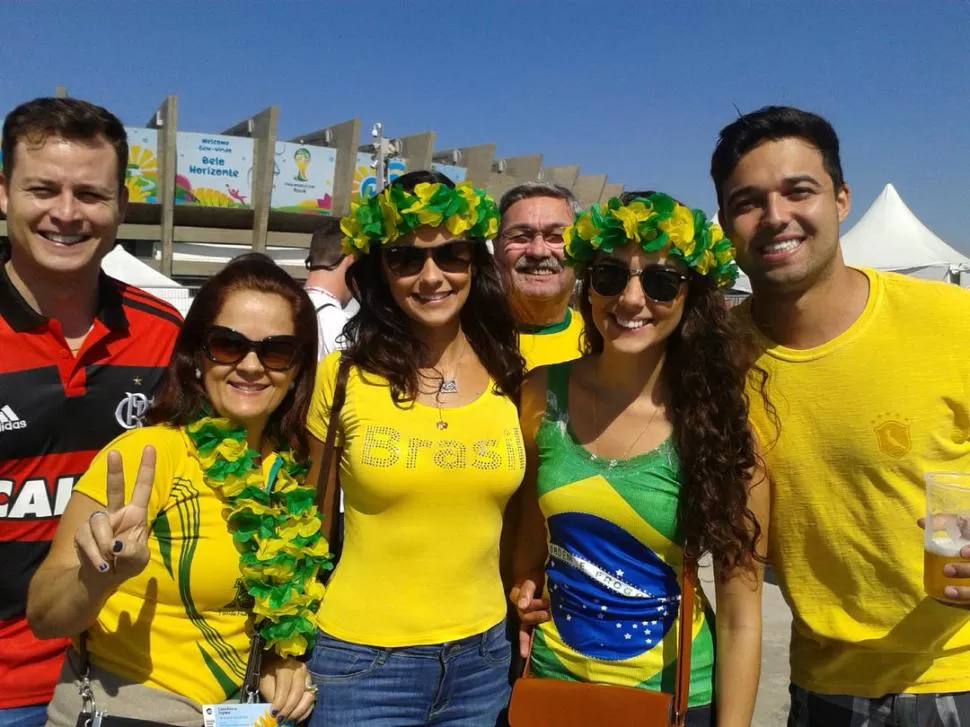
636,90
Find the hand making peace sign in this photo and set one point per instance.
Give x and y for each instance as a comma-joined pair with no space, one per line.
113,540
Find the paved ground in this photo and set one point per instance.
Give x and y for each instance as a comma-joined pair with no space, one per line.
772,707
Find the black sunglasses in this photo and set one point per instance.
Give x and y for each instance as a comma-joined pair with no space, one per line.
225,346
451,257
659,282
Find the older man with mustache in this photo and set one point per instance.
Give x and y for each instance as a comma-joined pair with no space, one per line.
529,250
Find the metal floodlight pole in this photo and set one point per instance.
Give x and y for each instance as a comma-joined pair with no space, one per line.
383,150
380,150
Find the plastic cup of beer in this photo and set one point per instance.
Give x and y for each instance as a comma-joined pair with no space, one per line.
947,530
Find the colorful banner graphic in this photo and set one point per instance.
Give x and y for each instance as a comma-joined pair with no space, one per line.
365,180
141,177
455,174
214,171
303,178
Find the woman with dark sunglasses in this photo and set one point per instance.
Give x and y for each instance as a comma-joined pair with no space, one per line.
194,541
428,452
641,461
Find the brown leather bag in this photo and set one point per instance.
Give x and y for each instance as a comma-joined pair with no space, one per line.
559,703
323,492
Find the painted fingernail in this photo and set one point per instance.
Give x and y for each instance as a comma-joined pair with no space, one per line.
102,567
274,712
117,545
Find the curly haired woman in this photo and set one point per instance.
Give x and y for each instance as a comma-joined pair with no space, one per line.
639,461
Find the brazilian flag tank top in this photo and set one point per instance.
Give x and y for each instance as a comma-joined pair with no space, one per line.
615,556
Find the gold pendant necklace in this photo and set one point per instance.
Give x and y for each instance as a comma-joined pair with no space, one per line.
449,385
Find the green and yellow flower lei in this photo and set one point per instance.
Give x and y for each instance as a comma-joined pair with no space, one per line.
655,223
463,209
275,526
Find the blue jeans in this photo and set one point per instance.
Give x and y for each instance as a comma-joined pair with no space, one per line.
33,715
464,682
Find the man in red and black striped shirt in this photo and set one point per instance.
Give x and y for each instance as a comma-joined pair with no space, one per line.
80,353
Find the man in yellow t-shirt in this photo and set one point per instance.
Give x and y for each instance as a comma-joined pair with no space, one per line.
529,251
868,388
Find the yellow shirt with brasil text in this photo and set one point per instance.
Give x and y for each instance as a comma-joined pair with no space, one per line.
175,626
556,343
862,418
423,510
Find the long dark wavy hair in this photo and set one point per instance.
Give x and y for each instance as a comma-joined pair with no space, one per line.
182,398
380,339
706,366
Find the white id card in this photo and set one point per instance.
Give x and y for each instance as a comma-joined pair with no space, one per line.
237,715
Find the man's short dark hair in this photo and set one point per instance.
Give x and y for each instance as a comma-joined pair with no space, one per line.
69,118
770,124
325,245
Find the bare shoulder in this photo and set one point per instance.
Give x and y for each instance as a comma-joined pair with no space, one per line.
534,386
533,404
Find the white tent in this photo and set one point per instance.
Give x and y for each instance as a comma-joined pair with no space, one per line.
126,267
890,237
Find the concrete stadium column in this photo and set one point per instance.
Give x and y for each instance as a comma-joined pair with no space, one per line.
60,92
565,175
344,138
478,162
417,150
588,188
165,120
611,189
499,183
262,129
523,168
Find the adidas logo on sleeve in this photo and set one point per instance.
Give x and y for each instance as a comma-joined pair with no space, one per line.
9,420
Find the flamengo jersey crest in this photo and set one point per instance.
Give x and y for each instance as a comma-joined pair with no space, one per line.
9,420
131,410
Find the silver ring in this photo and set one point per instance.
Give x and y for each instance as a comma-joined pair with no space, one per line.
97,512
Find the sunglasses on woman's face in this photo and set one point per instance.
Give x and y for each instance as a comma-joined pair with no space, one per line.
660,283
226,346
451,257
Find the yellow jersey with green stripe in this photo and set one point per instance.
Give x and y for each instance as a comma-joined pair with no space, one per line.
614,566
546,345
176,626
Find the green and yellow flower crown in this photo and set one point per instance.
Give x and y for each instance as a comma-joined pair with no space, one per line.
463,209
655,223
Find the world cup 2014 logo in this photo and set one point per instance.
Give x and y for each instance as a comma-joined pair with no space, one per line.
302,159
131,410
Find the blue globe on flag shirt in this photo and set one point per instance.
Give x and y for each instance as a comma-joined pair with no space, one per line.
612,597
